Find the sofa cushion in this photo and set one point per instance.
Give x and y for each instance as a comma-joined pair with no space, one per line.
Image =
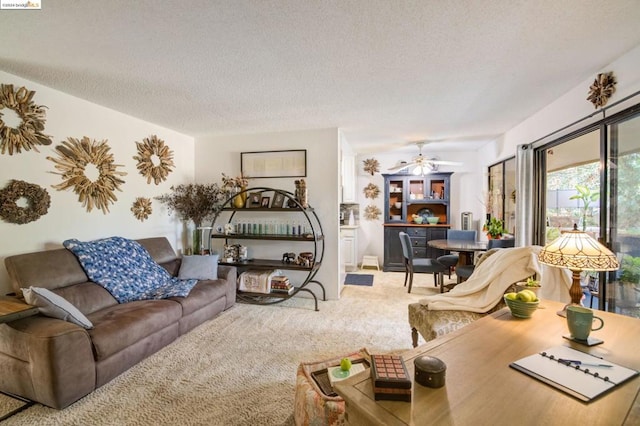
120,326
199,268
204,293
55,306
126,270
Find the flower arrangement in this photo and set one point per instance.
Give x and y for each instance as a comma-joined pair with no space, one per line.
230,183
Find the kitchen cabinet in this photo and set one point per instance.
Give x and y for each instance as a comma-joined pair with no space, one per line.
349,247
404,196
348,178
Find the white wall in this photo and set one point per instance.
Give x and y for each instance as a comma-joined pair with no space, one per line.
68,116
572,106
216,155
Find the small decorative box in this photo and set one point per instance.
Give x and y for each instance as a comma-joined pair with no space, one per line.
390,378
429,371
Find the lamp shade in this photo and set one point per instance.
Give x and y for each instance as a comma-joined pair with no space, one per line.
578,251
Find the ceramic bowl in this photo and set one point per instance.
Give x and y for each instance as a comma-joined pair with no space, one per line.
418,220
433,220
520,309
398,205
396,217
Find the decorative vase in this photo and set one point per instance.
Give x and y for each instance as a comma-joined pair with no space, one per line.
197,244
240,199
188,229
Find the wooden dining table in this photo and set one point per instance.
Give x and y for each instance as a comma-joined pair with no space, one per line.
464,248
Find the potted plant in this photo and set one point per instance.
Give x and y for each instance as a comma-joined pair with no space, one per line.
493,228
195,202
630,267
530,284
587,196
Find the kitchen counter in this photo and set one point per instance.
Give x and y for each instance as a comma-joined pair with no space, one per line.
349,226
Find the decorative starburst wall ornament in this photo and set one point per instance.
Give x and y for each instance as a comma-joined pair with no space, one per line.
141,208
371,166
602,88
371,191
372,212
151,149
73,158
28,133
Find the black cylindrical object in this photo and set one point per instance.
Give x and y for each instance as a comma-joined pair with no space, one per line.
429,371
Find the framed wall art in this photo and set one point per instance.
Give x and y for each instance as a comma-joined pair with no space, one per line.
274,164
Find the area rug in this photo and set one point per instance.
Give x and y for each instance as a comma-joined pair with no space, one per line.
240,368
359,279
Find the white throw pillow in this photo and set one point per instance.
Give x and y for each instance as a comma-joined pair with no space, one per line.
55,306
199,267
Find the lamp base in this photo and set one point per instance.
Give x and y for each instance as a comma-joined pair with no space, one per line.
563,312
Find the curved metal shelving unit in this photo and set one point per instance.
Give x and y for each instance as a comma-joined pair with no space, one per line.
315,236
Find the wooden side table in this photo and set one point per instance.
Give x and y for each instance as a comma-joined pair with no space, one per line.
12,308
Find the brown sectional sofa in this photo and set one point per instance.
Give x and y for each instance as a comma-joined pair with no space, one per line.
55,362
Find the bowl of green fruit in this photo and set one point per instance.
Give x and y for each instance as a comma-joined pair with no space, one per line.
522,304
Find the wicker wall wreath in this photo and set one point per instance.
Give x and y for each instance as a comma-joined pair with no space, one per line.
146,150
37,197
141,208
29,133
74,156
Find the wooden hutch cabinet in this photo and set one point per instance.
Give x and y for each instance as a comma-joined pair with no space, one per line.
404,196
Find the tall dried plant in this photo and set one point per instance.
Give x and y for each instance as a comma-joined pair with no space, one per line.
195,201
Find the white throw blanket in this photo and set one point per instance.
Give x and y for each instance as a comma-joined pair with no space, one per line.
486,286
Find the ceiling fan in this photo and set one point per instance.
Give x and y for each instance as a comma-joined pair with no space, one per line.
422,164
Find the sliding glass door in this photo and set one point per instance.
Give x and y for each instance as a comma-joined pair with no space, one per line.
591,179
623,170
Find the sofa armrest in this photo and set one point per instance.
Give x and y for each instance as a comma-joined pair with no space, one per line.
229,274
46,360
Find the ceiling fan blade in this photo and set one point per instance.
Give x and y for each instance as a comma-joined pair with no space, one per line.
445,163
401,167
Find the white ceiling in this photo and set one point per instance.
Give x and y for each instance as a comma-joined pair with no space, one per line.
384,71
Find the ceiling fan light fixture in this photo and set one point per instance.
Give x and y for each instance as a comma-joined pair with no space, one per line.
421,170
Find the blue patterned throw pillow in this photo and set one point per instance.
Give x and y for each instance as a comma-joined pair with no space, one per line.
126,270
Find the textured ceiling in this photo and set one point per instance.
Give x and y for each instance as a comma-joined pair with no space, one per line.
384,71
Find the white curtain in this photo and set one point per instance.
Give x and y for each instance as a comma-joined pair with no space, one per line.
524,195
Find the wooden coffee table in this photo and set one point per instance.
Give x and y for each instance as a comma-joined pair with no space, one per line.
481,388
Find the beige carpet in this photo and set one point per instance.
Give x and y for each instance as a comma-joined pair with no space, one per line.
239,369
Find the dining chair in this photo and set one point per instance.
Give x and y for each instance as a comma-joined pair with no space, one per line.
419,265
591,289
451,260
464,272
